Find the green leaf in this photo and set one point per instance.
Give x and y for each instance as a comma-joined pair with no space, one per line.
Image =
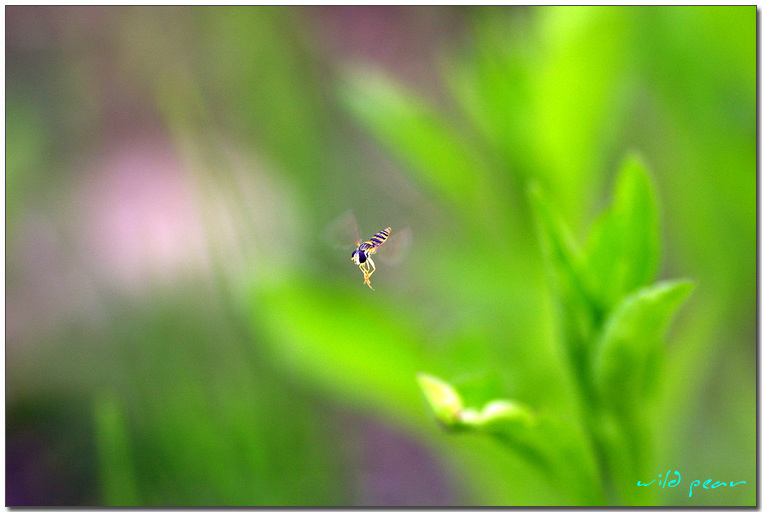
494,415
622,252
499,417
625,363
564,263
626,372
420,137
510,422
350,344
503,415
555,448
444,400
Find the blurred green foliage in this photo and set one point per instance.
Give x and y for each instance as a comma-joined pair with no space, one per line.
233,386
612,329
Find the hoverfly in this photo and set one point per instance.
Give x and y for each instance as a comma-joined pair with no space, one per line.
362,255
345,227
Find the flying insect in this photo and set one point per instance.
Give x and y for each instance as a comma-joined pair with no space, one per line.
362,255
342,233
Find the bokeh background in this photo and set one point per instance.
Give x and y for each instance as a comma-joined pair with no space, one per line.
179,333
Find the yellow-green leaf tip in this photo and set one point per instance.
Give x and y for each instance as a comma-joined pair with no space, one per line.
444,400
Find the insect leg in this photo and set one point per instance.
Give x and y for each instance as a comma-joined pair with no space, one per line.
369,263
364,268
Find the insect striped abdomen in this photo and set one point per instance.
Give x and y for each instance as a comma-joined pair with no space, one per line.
379,237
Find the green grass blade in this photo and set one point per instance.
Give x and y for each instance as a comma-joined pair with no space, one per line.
118,481
434,151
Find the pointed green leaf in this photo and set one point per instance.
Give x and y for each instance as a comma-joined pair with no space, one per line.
622,252
563,259
625,363
443,399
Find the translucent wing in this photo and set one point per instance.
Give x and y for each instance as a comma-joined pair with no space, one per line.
394,250
342,232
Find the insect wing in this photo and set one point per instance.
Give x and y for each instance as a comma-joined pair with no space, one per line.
394,250
342,233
